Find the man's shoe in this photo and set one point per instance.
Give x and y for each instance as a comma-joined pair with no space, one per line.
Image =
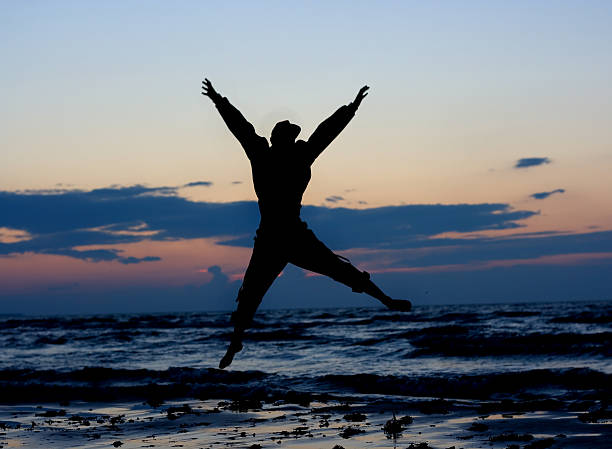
399,305
229,355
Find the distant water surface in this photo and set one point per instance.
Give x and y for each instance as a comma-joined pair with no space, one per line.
336,348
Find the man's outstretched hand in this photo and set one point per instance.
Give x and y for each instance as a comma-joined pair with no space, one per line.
209,90
363,92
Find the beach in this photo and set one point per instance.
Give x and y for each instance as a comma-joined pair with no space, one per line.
209,424
501,376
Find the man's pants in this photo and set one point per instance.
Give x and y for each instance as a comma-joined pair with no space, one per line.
271,253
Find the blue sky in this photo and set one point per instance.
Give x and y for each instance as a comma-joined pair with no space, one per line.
482,152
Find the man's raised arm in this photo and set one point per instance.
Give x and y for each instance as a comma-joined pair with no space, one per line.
329,129
235,121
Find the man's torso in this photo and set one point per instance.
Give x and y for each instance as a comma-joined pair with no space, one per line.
280,177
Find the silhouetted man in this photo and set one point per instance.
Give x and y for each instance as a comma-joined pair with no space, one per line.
281,173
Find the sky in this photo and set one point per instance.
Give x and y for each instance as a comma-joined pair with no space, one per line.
475,171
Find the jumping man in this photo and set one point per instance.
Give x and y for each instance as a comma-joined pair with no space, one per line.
281,173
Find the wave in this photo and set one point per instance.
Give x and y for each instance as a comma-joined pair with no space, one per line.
515,313
257,335
107,384
588,317
457,340
497,344
120,322
471,341
483,386
459,317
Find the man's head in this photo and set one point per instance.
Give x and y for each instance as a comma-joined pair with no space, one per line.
284,133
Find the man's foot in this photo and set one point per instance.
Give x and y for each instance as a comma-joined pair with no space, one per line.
399,305
229,355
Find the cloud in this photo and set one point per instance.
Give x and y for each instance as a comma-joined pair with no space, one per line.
382,239
518,283
115,192
129,260
334,198
199,184
543,195
531,162
98,255
13,235
59,222
441,252
66,242
407,226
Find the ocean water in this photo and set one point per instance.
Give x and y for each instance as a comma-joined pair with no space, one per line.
560,350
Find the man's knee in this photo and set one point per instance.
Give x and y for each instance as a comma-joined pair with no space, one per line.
349,275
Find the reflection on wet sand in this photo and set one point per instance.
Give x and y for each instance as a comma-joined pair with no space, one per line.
210,424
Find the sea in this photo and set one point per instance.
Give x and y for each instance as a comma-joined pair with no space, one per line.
481,351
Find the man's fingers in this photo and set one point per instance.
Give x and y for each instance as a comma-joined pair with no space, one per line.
206,84
362,93
208,90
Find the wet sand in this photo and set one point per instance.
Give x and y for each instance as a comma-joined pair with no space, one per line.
251,424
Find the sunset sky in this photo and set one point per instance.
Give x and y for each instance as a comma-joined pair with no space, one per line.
476,170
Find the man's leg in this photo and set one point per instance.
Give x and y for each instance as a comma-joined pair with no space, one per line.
264,267
311,254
